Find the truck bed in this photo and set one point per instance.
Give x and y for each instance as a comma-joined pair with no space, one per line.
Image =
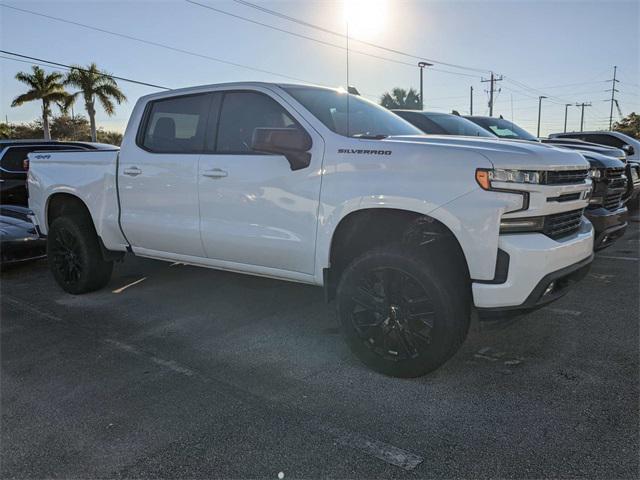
90,176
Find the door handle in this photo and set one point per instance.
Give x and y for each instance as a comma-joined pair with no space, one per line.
214,173
132,171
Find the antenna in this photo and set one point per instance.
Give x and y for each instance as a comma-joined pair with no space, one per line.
348,94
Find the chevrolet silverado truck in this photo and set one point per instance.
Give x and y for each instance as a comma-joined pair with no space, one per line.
407,233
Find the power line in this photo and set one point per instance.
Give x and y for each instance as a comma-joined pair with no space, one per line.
341,34
71,67
299,35
317,40
156,44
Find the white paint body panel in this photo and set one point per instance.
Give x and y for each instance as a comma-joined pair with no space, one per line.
264,219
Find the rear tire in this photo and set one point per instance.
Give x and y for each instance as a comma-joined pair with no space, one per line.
404,312
75,257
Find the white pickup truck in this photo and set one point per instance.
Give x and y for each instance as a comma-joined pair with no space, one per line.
406,232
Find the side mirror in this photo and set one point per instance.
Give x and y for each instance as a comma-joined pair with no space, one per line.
628,149
293,143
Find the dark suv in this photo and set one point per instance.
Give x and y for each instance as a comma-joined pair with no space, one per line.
13,165
606,209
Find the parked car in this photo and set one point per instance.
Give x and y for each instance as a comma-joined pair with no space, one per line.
606,210
314,185
19,239
13,167
437,123
629,145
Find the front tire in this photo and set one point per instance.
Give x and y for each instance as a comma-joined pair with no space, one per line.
403,313
75,257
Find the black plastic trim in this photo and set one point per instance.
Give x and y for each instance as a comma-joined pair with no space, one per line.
502,269
571,274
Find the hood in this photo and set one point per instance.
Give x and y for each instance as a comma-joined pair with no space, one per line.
508,154
597,160
15,224
587,147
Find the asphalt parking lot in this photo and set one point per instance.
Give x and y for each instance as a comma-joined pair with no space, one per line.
174,372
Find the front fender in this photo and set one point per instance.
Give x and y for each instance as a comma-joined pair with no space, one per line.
473,218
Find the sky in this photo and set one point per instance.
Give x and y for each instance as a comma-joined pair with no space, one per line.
564,50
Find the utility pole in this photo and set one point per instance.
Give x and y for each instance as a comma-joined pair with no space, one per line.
566,109
613,93
421,65
471,101
492,88
540,112
582,105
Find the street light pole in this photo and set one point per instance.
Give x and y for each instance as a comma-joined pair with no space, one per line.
421,65
539,111
566,108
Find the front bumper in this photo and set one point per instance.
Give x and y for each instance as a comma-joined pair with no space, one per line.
533,258
632,172
608,225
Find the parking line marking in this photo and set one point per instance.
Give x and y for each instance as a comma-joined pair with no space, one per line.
631,259
563,311
383,451
122,289
169,364
32,309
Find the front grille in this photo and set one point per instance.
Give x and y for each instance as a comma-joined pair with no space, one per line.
613,173
613,201
561,177
562,224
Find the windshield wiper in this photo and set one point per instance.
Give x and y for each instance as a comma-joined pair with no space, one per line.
368,136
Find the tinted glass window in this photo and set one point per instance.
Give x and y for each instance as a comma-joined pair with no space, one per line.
242,113
608,140
422,122
14,157
503,128
176,125
333,107
454,125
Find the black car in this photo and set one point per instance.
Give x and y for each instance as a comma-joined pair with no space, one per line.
606,210
13,165
19,239
509,130
435,123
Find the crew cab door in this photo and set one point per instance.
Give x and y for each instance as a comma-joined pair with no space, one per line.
158,177
254,209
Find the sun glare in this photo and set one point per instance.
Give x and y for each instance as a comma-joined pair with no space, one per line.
365,18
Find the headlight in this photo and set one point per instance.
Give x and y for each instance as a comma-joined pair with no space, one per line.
485,177
595,173
517,225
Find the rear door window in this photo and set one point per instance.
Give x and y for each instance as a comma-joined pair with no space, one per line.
176,125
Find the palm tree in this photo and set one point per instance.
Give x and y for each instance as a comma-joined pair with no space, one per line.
400,98
46,87
95,85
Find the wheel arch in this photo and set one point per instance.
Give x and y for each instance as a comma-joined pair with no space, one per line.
366,228
66,204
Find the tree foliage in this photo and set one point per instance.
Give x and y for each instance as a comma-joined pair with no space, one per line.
95,86
48,88
629,125
63,127
399,98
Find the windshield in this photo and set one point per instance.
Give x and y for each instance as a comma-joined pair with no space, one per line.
366,119
504,128
454,125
